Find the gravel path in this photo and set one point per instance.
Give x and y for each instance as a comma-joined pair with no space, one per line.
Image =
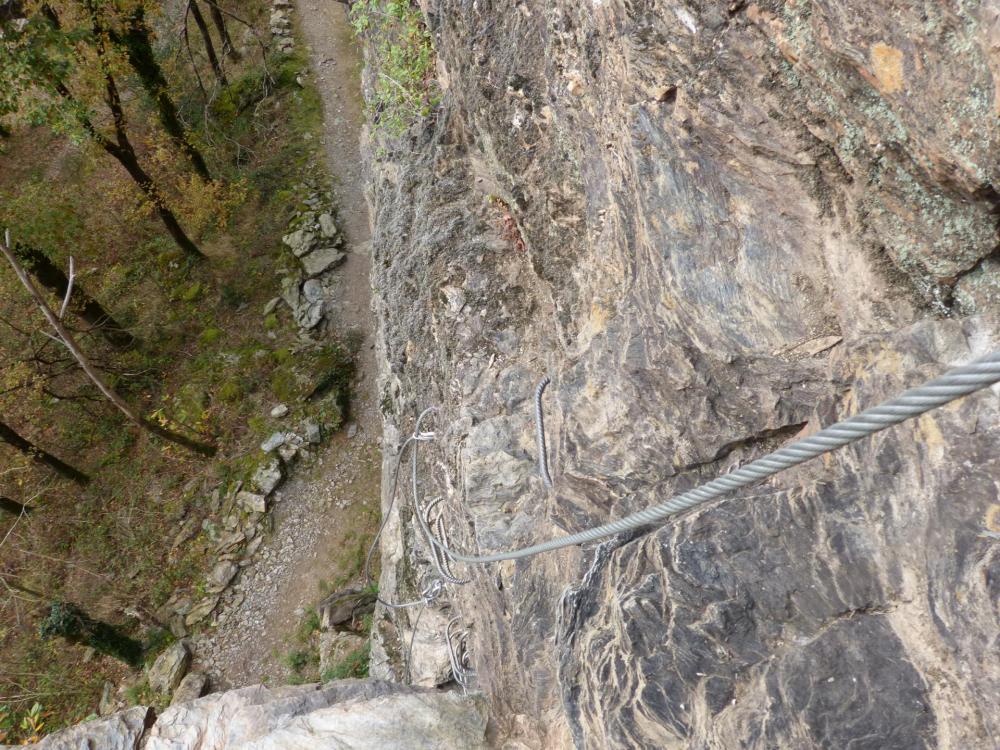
325,513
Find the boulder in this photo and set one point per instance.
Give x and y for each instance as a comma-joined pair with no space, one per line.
191,688
327,226
268,476
340,608
169,668
300,241
201,610
312,432
221,576
321,259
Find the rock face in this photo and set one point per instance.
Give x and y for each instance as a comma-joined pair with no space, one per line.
122,731
346,715
715,226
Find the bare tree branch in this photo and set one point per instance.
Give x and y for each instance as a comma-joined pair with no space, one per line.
69,288
70,343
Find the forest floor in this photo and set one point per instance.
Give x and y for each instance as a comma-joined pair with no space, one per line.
326,515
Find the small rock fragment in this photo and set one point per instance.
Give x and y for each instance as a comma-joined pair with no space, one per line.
279,411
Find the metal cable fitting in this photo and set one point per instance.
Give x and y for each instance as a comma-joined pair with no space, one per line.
543,459
458,655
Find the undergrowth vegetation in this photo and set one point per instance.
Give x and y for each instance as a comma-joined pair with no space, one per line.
402,53
207,361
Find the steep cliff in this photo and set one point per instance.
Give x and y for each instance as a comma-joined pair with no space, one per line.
716,225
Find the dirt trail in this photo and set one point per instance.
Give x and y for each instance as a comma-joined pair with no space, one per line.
325,514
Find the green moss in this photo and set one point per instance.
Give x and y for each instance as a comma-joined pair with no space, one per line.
285,385
209,336
192,292
230,391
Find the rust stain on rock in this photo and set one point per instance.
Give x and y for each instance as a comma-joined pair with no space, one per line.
887,62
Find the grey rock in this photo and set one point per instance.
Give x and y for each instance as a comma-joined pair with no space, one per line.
108,703
190,688
300,242
252,501
230,541
327,226
288,453
272,305
322,259
252,547
222,574
268,476
201,610
342,607
312,290
309,315
169,668
279,411
291,292
276,440
312,431
309,311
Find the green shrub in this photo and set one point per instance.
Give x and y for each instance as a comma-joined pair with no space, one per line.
355,664
405,89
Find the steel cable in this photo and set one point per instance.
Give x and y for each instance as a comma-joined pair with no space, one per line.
954,384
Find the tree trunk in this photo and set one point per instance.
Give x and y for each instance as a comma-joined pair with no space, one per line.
121,148
139,48
13,507
127,158
86,307
199,20
10,436
220,26
67,339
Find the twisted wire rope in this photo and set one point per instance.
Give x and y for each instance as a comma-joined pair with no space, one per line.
954,384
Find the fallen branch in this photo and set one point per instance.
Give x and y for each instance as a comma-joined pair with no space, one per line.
67,340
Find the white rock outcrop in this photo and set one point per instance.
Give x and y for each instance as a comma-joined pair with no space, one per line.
342,715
